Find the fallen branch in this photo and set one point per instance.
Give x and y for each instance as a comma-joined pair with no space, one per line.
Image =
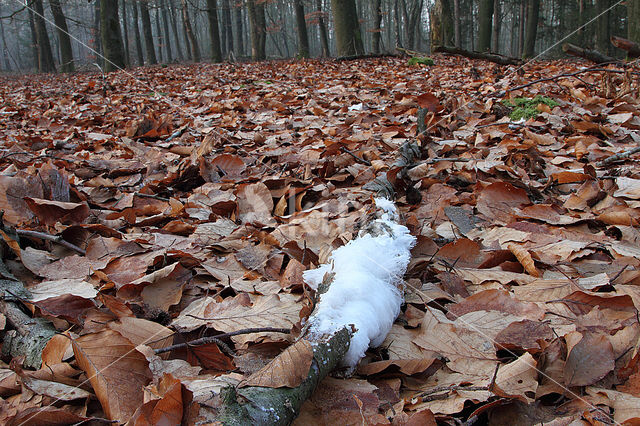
491,57
359,299
632,48
592,55
54,238
618,156
358,159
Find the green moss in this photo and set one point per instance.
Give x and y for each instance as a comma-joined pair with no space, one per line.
526,108
420,61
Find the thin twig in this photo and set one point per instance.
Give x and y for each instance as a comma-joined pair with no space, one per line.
54,238
358,159
216,339
155,197
618,156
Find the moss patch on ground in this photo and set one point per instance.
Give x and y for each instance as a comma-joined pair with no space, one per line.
526,108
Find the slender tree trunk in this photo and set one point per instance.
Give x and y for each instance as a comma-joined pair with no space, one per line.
377,22
227,27
396,15
191,37
66,52
161,40
457,38
258,29
148,33
239,29
441,24
324,35
283,32
45,56
497,24
125,35
485,14
111,37
633,19
411,21
346,28
533,13
301,25
212,13
523,18
5,48
603,31
97,43
136,31
165,26
174,27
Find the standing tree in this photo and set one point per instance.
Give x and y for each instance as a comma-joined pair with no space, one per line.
301,24
258,29
347,28
227,27
497,25
148,34
633,19
212,13
533,13
377,25
457,34
136,34
324,37
441,24
63,36
165,26
239,28
485,15
192,41
45,57
110,35
125,35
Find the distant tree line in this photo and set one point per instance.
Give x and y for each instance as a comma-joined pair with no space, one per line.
65,35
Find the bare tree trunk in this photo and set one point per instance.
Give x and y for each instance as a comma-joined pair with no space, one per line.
63,36
174,27
603,30
97,34
457,39
136,31
125,35
239,29
497,24
191,37
45,57
485,14
227,27
5,48
301,25
532,28
324,36
111,37
523,16
377,22
347,28
148,33
258,29
441,24
214,30
633,19
167,35
161,40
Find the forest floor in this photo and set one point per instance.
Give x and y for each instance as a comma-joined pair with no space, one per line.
192,198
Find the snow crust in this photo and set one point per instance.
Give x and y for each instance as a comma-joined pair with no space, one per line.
366,289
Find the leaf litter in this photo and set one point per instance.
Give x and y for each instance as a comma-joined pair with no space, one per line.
197,206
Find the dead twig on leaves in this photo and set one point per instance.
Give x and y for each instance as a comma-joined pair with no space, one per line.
358,159
53,238
216,339
618,156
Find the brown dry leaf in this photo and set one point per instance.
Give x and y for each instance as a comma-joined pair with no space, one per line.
255,204
589,360
289,369
496,300
49,212
525,259
500,201
116,371
38,416
518,379
625,406
140,331
168,410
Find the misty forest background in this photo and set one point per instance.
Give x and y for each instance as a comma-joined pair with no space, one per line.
146,32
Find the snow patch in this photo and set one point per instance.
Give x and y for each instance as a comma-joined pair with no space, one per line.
366,289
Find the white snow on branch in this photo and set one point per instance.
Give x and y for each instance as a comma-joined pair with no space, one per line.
366,283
